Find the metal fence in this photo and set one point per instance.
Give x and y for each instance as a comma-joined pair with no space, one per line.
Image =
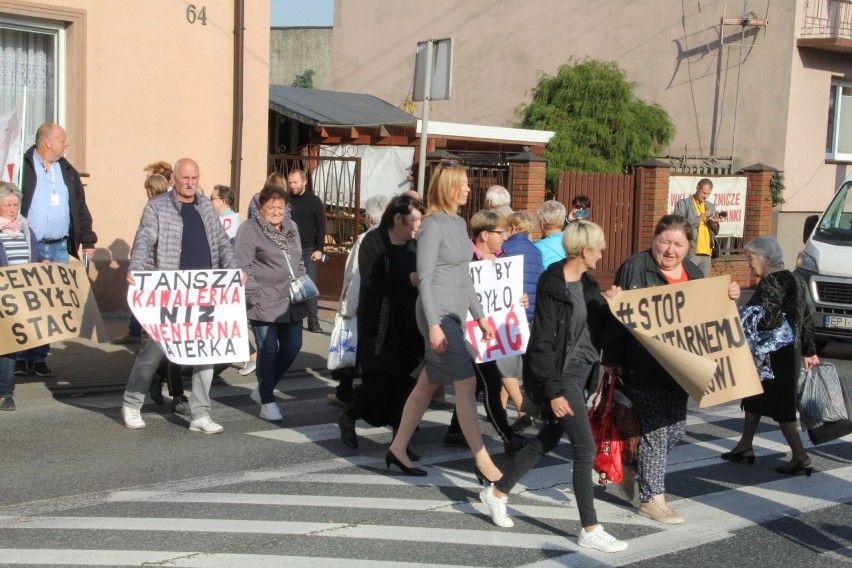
827,19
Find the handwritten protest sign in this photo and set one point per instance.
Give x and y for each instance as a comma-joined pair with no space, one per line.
729,195
694,331
499,286
196,316
44,303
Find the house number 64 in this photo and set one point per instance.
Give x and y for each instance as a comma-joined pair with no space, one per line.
199,15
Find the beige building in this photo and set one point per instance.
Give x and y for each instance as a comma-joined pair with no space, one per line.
133,83
794,71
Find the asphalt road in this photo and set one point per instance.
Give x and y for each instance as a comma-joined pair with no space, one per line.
79,489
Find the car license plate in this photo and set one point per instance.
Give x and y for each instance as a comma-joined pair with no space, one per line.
838,321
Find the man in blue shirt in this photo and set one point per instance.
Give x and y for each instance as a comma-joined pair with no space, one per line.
55,205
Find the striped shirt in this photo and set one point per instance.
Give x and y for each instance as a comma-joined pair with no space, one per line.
17,251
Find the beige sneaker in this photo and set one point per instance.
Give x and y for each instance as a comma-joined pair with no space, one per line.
657,510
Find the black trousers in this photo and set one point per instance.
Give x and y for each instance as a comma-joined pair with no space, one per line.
489,380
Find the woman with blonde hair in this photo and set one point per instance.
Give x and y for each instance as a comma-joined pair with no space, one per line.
572,321
446,294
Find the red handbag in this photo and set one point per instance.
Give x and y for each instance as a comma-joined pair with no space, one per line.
608,443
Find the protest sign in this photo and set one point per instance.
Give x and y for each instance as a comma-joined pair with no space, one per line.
694,331
43,303
198,317
729,195
499,286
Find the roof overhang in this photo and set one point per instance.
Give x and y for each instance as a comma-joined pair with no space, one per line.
501,133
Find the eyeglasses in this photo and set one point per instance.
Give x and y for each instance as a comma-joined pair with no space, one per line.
448,163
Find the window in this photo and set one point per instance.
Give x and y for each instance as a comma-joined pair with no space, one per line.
838,142
32,58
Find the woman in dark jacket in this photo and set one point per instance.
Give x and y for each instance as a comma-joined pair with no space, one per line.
659,401
389,344
571,323
267,247
780,297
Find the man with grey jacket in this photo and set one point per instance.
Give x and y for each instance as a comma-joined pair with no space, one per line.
179,230
701,215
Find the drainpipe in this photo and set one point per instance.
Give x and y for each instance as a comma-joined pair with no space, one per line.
237,139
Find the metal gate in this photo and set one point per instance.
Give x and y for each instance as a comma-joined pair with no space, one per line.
612,198
484,169
336,180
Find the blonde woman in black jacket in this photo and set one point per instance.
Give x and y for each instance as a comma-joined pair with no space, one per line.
571,322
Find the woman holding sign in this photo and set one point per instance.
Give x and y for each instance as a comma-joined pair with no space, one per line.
781,298
659,401
17,246
261,246
446,295
571,323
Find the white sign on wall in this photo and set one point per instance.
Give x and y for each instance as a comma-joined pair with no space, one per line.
729,195
499,286
384,171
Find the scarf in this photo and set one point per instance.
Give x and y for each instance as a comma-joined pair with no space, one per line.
283,239
10,227
761,342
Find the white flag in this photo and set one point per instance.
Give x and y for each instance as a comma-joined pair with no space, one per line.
11,142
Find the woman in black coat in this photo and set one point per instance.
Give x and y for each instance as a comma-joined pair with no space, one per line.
570,325
781,297
389,343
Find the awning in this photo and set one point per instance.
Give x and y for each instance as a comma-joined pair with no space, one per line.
332,108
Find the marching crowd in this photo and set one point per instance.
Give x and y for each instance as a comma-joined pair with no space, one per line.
407,287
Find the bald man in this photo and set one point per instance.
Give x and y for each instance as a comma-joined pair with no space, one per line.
179,230
54,203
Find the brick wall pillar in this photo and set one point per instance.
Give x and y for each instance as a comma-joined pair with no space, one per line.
527,183
652,192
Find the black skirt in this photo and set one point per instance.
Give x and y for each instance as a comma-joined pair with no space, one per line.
778,400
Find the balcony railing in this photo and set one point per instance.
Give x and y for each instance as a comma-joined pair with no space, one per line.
827,19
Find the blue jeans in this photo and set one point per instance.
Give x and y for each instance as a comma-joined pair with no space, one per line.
277,347
54,252
7,375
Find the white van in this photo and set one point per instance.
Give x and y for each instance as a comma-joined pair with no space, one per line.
826,267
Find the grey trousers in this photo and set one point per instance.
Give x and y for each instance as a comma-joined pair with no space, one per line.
146,364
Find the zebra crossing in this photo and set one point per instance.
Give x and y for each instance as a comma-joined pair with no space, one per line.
351,511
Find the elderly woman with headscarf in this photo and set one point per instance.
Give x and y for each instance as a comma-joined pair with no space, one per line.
17,246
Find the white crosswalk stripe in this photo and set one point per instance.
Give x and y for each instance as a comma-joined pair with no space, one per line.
356,500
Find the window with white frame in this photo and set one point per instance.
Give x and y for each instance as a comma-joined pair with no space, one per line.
838,140
32,55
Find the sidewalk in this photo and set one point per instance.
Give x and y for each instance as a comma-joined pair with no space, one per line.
84,367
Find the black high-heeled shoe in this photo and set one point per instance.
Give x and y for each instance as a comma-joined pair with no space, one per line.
480,477
411,455
411,471
739,456
793,469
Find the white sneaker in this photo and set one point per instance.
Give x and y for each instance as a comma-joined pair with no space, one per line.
601,540
132,417
205,424
248,368
271,412
497,507
255,395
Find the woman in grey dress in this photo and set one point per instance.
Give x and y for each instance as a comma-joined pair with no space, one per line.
446,295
